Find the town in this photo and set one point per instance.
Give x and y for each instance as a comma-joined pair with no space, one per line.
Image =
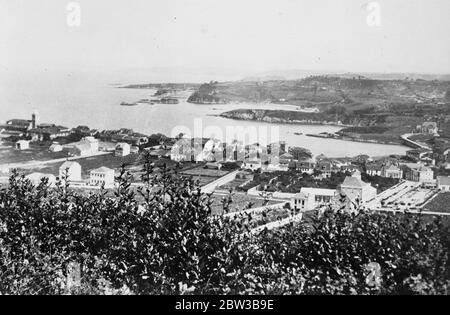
257,176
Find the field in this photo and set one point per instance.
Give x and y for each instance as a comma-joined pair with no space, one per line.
240,202
88,164
441,203
35,153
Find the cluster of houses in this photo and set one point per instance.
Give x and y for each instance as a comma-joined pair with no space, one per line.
71,171
123,141
31,129
214,150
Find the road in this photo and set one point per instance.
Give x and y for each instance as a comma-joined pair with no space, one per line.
406,136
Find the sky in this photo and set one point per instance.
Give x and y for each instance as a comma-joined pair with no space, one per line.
244,35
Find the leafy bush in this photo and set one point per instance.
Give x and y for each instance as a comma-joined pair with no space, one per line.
162,239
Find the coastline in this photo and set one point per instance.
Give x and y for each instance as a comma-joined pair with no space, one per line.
290,122
342,138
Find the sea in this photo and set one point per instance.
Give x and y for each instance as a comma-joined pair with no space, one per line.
87,97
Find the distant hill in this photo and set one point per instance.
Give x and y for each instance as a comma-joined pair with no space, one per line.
300,74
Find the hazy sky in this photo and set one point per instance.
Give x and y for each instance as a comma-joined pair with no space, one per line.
239,34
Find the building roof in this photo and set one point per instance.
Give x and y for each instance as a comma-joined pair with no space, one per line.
392,167
373,167
122,145
318,191
419,150
443,180
83,146
19,122
429,124
351,181
69,164
102,169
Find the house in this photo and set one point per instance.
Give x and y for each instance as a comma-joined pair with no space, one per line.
325,168
254,151
55,147
277,148
235,151
311,198
349,168
22,145
429,127
392,171
245,175
87,146
356,189
36,178
80,149
252,165
122,149
102,176
134,150
373,169
73,170
181,151
213,166
303,167
19,126
287,157
417,154
159,153
420,173
443,183
46,132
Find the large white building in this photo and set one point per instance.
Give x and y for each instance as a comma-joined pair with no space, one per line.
356,189
73,171
311,198
102,176
87,146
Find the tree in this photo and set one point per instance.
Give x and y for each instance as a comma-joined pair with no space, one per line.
300,153
163,238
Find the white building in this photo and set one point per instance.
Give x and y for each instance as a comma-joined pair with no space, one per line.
87,146
311,198
252,165
392,171
181,151
73,171
373,170
122,149
102,176
443,183
420,173
55,147
36,178
23,145
356,189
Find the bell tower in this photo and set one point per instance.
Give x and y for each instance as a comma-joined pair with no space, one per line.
34,119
